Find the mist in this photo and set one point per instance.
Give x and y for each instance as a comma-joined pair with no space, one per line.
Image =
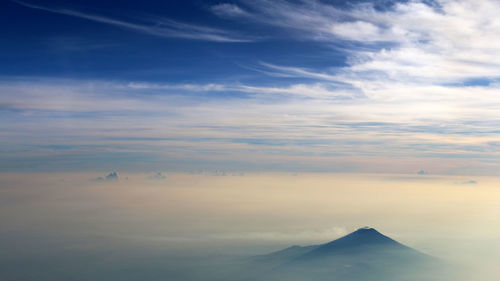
198,226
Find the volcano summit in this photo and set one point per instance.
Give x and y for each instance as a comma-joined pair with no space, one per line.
362,255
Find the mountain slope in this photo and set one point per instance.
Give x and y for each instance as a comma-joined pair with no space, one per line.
364,241
288,254
364,255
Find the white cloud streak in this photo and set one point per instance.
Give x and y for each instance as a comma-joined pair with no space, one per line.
308,128
161,27
416,42
394,104
229,10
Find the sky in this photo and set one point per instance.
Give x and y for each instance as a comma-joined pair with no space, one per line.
285,86
247,126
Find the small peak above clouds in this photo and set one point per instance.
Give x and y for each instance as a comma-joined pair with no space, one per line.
469,182
112,176
366,228
157,176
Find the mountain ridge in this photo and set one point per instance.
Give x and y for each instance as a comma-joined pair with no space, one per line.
363,239
362,255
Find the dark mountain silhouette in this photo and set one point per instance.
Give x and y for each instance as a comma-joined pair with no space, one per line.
362,241
364,255
289,253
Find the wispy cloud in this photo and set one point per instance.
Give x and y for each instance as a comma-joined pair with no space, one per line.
161,27
299,72
303,235
229,10
329,90
312,128
408,41
408,101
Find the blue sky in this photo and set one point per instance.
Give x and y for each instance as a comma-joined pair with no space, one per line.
56,39
326,86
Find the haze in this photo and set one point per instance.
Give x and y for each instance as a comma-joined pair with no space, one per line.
190,140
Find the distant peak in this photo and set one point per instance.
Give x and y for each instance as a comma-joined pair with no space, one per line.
365,235
363,240
366,228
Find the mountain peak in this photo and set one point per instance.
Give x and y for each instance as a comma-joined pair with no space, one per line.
363,236
368,232
365,239
366,229
364,254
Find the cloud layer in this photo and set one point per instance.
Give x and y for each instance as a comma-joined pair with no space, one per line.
418,90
